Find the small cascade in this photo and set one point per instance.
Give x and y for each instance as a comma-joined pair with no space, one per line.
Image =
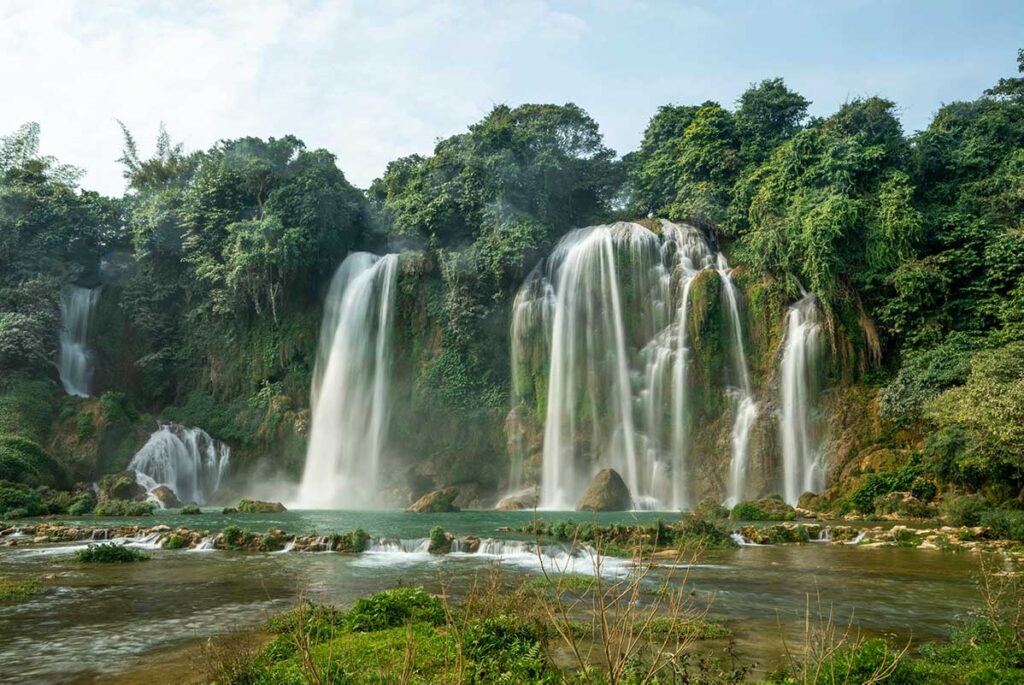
389,546
857,540
742,541
205,545
186,460
288,547
744,405
75,359
350,395
801,464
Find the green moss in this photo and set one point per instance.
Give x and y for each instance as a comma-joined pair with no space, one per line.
440,543
121,507
175,541
766,509
24,461
109,553
392,608
251,506
27,408
190,510
15,590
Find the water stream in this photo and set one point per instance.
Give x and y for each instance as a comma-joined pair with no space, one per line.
75,359
187,460
801,452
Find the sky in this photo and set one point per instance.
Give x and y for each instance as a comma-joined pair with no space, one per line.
376,80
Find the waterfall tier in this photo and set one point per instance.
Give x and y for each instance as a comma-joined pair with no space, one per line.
801,369
187,460
74,361
350,395
607,313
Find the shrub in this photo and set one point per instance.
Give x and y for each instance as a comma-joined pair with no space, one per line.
396,607
875,485
767,509
901,504
964,510
439,541
702,532
175,541
503,648
354,541
252,506
123,507
109,553
23,461
190,510
83,504
1006,524
19,498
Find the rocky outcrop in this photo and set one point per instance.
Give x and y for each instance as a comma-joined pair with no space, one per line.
255,506
166,497
436,502
120,486
518,502
606,492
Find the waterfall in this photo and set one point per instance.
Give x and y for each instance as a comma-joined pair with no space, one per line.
74,361
607,313
744,406
187,460
351,385
801,468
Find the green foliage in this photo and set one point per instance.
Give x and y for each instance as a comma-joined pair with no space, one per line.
766,509
964,510
190,510
502,648
83,504
926,373
252,506
26,408
875,485
439,542
175,541
19,499
23,461
1005,524
392,608
20,589
123,507
109,553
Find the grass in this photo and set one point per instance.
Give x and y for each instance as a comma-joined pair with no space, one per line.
15,590
109,553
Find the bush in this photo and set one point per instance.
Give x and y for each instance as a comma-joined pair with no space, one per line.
354,541
252,506
190,510
109,553
123,507
23,461
83,504
874,485
901,504
964,510
503,648
702,532
767,509
392,608
175,541
439,541
1006,524
19,498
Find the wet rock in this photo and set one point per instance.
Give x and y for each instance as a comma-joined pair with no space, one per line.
120,486
165,496
436,502
606,492
518,502
255,506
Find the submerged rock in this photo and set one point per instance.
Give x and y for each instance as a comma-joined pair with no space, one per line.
606,492
518,502
436,502
120,486
165,496
255,506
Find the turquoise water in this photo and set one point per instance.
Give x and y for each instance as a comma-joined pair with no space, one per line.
96,621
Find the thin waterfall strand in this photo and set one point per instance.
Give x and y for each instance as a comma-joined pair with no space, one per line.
801,467
74,361
350,396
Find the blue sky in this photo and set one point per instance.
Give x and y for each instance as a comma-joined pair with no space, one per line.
372,81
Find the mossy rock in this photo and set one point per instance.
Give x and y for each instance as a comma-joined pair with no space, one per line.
122,507
120,486
436,502
901,504
255,506
606,492
766,509
24,461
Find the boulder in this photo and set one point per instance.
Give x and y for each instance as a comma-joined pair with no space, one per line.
165,496
436,502
518,502
606,492
120,486
255,506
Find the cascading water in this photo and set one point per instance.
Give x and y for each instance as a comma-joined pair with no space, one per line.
744,406
801,467
351,385
74,361
187,460
610,306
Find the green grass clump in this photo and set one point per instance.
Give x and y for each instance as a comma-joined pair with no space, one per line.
566,582
190,510
175,541
766,509
11,590
109,553
396,607
123,507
